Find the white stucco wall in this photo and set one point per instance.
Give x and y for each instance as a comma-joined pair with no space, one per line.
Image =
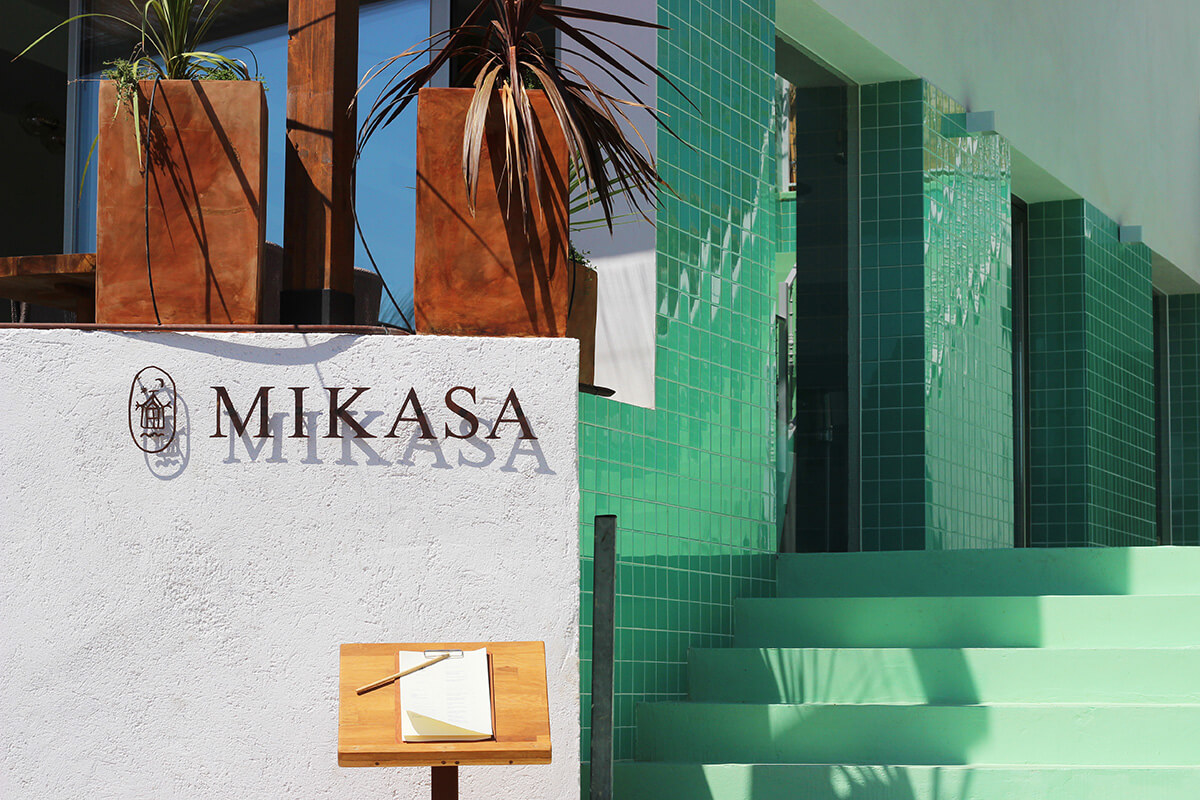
171,623
1099,98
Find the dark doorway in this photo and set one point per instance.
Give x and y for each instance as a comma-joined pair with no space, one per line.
819,150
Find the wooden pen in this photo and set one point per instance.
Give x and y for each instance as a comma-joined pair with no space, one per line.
401,674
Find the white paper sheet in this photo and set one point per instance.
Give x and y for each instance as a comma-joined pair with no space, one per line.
450,701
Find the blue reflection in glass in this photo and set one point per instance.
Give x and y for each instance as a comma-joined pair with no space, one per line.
387,171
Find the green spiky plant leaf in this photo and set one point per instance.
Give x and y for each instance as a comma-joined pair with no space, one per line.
581,204
502,51
170,34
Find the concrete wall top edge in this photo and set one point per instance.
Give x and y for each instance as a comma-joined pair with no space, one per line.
1098,97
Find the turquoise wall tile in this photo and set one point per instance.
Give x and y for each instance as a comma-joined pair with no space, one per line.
693,480
785,227
935,328
1183,415
1091,381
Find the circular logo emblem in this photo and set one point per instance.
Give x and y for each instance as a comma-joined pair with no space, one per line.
152,410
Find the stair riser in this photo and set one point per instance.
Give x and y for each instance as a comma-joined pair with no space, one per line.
944,676
821,782
1051,622
1027,571
997,735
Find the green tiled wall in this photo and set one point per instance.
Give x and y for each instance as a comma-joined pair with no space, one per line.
785,231
785,262
1091,381
692,482
935,325
1183,366
968,333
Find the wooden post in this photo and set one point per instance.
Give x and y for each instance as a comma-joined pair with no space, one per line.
318,228
445,783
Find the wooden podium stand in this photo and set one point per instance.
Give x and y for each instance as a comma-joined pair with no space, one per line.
369,724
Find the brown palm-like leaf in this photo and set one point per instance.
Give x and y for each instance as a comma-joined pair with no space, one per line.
502,51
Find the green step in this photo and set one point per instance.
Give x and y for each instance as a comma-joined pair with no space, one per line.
944,676
1024,571
1080,622
657,781
1064,735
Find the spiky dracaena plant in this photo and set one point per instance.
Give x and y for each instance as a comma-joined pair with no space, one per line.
502,51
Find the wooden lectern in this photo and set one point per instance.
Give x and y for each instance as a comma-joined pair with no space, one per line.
369,724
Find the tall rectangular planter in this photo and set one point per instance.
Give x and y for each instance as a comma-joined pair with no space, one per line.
491,274
206,175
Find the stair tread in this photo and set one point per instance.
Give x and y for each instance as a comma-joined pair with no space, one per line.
962,767
974,597
1084,704
1185,648
1070,733
1102,571
1054,621
944,675
839,781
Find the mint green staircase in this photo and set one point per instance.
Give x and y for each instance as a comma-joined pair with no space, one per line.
1069,674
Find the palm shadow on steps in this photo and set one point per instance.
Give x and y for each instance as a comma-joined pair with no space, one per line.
933,675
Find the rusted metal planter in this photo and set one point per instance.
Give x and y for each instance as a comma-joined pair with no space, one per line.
206,172
494,273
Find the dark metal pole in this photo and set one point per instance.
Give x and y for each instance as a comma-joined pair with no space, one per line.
445,783
604,597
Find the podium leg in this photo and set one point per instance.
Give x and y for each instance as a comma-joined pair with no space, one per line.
445,783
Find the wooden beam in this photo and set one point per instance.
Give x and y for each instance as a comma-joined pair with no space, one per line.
318,226
65,281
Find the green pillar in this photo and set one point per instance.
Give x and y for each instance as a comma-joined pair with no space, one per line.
1183,415
1091,380
935,325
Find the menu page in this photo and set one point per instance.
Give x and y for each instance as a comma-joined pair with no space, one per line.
450,701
